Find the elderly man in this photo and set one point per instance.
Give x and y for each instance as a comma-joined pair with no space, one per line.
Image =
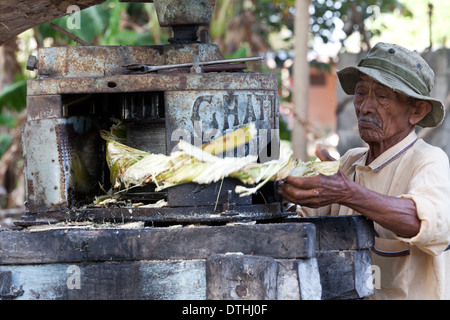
399,181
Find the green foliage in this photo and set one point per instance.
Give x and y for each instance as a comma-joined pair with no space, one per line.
285,133
276,13
325,12
240,53
13,96
101,25
5,142
7,120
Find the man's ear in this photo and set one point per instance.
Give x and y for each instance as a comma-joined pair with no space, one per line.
420,109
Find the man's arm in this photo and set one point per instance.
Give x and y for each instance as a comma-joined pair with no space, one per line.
395,214
398,215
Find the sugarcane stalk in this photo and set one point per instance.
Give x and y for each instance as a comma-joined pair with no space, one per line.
130,167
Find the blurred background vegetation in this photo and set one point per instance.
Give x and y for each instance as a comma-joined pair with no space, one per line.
240,28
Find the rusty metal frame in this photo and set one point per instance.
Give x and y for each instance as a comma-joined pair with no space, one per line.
83,72
152,82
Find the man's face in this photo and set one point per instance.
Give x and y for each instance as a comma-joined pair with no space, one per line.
383,115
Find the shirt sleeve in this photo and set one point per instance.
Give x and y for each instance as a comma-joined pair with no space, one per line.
429,188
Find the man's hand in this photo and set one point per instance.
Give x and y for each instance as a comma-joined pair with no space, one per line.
323,154
317,191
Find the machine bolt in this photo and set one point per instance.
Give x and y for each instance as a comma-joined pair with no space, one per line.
32,63
228,207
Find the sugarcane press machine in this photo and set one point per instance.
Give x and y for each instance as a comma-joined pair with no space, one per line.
206,234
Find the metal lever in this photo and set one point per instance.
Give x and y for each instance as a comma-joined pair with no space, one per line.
146,68
68,34
228,207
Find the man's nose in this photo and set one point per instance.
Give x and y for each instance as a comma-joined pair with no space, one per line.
367,104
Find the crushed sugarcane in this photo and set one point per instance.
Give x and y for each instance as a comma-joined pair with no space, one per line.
130,167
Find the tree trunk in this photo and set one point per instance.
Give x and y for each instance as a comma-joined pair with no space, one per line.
301,79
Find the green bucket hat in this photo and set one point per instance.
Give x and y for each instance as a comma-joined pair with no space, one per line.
400,69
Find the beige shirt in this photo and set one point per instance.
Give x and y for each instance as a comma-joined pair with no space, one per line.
416,170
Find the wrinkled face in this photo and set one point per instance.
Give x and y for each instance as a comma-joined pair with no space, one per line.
383,115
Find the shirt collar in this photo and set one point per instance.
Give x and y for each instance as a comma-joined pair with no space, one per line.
390,154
